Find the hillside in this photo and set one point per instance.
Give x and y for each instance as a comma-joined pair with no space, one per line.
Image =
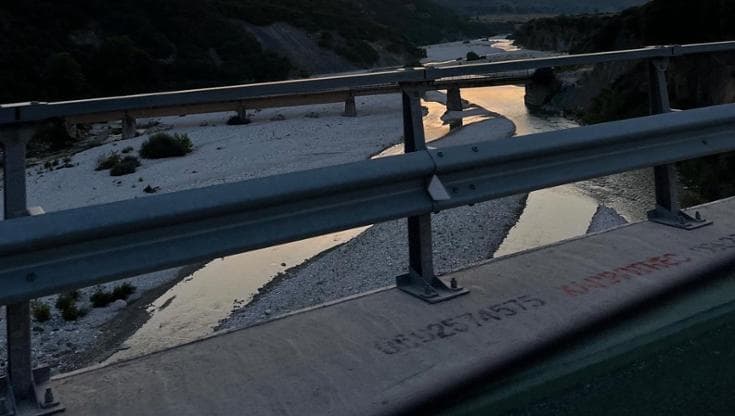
80,48
696,81
619,90
515,7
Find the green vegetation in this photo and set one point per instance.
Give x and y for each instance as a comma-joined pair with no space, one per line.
151,189
73,312
118,166
472,56
126,166
81,48
162,145
236,120
518,7
123,291
106,162
41,312
102,298
67,304
65,300
696,81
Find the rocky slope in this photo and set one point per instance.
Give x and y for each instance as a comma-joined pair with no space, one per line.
620,90
607,91
483,7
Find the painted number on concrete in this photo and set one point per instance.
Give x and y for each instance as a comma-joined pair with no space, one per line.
465,322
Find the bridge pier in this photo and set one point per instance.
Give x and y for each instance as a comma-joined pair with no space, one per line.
72,129
454,103
242,114
350,107
129,127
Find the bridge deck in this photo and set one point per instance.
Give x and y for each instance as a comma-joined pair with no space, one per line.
386,352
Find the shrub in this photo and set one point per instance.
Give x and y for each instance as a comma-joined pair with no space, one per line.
359,52
128,149
237,121
72,313
123,291
162,145
126,166
151,189
106,162
66,300
67,304
100,298
472,56
41,311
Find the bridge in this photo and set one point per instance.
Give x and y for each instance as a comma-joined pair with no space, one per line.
428,343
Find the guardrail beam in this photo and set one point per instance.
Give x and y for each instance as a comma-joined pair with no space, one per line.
85,246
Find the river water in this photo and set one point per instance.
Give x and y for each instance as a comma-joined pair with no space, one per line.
193,307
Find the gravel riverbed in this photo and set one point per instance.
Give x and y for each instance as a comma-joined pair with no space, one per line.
461,236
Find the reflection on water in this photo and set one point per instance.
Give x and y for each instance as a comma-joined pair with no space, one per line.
550,215
192,308
565,211
508,100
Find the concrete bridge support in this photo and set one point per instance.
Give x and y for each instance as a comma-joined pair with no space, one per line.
129,127
454,103
350,107
454,99
242,114
72,129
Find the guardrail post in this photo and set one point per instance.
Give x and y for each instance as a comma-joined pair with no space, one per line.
420,281
25,391
129,127
350,106
668,209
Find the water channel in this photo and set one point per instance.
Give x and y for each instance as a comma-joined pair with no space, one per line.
193,307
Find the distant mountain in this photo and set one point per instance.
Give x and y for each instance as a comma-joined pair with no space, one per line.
510,7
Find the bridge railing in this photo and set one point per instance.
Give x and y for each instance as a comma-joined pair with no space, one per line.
111,108
42,254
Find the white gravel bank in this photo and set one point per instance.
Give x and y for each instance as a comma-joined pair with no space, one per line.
462,236
604,219
277,141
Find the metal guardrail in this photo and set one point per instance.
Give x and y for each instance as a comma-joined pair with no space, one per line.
34,112
47,253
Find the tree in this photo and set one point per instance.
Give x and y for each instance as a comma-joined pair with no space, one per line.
63,78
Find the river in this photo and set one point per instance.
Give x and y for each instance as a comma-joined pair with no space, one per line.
193,307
